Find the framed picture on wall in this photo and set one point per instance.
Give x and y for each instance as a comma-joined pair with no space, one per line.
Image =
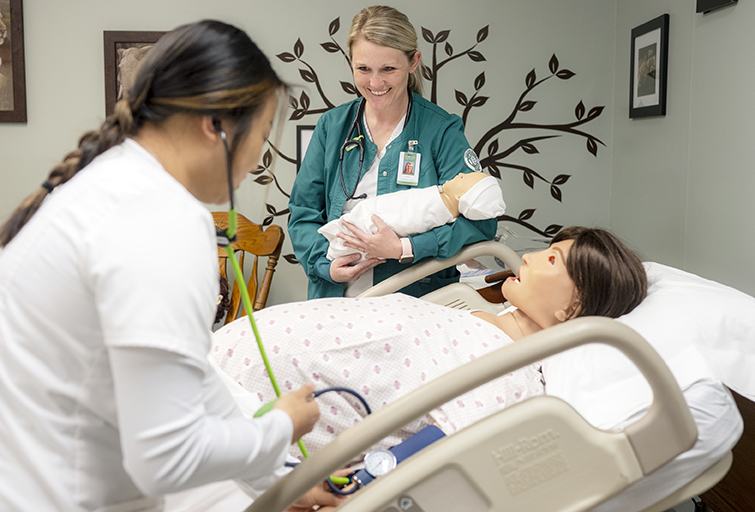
649,71
303,136
12,73
124,50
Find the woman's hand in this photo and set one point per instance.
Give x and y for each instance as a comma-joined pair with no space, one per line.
342,270
303,411
319,496
383,244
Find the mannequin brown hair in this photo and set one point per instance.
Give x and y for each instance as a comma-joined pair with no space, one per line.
609,277
208,68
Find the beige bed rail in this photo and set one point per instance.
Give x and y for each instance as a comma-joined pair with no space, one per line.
426,268
581,466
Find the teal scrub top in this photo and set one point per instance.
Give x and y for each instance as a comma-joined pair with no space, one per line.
317,196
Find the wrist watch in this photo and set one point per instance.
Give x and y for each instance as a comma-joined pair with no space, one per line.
407,256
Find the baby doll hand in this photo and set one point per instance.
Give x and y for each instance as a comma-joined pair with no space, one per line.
301,408
383,244
342,270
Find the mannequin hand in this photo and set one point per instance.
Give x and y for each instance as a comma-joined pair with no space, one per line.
383,244
341,270
300,407
319,496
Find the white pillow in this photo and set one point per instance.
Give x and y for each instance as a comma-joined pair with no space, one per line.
701,329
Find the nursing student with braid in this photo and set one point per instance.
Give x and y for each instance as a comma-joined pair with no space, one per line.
107,399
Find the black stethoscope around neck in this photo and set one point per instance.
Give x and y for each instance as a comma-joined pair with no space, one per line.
358,142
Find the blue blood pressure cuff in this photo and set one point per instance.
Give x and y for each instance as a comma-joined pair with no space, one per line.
380,462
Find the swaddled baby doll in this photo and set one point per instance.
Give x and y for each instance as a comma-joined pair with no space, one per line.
476,196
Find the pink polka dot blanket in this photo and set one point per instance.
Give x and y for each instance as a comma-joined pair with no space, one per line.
381,347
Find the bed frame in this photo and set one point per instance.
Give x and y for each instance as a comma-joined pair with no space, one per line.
539,455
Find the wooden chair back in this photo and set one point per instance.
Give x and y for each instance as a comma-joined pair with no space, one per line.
251,238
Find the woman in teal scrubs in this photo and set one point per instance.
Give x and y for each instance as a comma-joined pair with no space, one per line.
360,149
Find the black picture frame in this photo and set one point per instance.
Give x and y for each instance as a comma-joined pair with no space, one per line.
116,40
649,69
13,89
303,136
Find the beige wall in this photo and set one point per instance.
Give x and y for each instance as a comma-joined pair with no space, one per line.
683,184
65,77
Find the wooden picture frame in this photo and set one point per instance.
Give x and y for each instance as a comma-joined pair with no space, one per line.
303,136
12,69
649,70
116,43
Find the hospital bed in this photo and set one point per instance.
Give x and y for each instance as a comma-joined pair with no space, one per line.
539,455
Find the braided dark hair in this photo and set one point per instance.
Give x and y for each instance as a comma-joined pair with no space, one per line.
204,68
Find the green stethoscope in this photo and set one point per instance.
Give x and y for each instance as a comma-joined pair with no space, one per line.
224,239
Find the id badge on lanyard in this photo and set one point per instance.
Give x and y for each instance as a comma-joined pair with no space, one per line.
408,166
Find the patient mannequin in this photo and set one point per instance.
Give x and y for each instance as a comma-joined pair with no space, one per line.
476,196
386,347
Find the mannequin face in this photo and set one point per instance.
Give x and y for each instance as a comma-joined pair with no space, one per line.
461,183
543,291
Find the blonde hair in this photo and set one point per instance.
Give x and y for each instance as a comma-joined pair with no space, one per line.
388,27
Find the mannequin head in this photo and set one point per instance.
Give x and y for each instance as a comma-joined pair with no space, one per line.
584,272
474,195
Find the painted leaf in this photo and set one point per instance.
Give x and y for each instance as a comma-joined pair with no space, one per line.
267,221
553,229
442,36
476,56
334,26
348,88
296,114
482,34
493,171
270,208
293,102
479,81
267,158
480,101
461,98
530,149
561,179
304,101
527,105
592,146
530,80
427,35
298,48
291,259
565,74
449,49
286,57
493,148
427,73
529,180
526,214
553,64
556,193
580,110
263,180
595,112
307,75
330,47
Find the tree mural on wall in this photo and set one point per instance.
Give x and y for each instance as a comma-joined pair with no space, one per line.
494,157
